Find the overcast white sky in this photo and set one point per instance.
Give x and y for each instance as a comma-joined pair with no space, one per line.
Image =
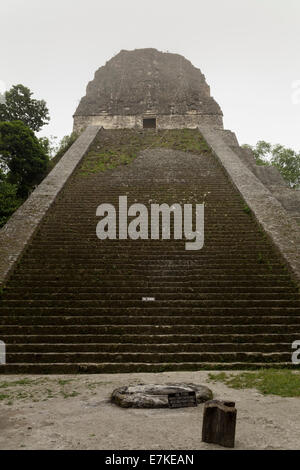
249,51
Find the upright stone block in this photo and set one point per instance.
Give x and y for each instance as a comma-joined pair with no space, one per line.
219,423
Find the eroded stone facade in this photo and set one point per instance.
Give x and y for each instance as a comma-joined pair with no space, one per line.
146,83
136,122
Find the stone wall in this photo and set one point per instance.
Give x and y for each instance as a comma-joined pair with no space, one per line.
268,175
142,81
162,121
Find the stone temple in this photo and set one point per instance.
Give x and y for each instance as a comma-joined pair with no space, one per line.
147,88
71,303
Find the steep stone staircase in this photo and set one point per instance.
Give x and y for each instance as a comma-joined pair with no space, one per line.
74,304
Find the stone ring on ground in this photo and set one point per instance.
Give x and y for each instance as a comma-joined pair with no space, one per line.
156,396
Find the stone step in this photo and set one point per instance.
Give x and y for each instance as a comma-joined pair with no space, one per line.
138,295
14,290
98,357
168,267
121,338
148,310
148,347
273,282
215,232
215,239
115,367
160,329
159,304
83,276
115,320
159,258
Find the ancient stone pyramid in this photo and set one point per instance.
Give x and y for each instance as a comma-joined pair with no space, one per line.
74,303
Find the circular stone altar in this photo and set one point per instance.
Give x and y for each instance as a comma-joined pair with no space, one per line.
156,396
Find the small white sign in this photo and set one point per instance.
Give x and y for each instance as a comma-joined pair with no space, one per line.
148,299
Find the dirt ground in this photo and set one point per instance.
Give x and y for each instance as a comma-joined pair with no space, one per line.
74,412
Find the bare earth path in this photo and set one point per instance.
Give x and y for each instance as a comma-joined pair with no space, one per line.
74,412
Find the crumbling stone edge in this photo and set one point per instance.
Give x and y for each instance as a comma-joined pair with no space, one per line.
20,228
281,229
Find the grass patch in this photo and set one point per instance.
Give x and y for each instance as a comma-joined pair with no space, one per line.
260,258
21,382
64,382
69,395
285,383
246,209
93,385
28,390
107,154
3,396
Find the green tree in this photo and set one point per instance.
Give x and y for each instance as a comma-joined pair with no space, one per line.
49,145
286,160
23,155
20,106
66,143
63,146
9,201
262,152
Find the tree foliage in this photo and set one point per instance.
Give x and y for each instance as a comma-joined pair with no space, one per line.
18,104
62,147
9,201
23,155
65,144
286,160
49,145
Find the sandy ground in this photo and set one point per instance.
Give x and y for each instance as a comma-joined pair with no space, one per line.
74,412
